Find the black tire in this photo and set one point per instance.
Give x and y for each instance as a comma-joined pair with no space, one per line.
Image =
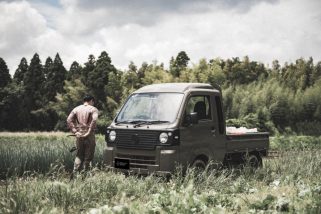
254,161
199,165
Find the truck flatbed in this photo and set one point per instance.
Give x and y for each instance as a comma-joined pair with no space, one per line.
242,142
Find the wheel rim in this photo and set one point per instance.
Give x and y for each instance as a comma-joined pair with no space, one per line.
253,161
199,165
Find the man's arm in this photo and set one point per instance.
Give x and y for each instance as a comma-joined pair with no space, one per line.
92,124
71,121
94,116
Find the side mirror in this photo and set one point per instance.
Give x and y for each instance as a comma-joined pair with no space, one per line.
191,118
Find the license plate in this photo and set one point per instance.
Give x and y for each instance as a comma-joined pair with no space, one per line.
121,163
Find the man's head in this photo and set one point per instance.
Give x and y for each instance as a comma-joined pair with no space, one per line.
89,99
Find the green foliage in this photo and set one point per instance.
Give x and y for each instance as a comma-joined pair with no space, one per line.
47,69
130,78
29,153
283,184
75,90
280,99
89,67
114,88
5,77
179,64
12,113
55,77
249,121
295,142
263,205
156,74
74,71
33,97
98,78
21,70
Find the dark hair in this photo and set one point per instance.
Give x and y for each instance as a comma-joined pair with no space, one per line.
88,98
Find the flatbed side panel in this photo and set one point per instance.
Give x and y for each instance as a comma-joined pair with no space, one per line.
247,142
247,135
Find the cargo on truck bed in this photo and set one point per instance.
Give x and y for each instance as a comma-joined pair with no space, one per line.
162,126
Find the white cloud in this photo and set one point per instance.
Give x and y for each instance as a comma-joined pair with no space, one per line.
284,30
20,25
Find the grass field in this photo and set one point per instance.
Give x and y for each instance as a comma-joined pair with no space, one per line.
34,172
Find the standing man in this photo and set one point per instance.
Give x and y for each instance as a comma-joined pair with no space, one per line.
82,123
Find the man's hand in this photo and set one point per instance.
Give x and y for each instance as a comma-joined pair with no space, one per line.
78,135
87,133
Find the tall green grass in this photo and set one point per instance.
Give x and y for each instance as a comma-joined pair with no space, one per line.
39,152
295,142
290,183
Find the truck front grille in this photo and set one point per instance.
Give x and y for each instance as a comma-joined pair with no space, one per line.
142,139
138,161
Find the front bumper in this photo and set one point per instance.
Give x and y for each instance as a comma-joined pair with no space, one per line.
160,161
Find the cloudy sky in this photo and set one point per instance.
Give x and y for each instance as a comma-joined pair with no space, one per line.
148,30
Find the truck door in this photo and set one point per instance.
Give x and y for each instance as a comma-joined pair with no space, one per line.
200,139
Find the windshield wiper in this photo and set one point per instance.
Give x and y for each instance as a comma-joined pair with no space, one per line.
130,122
158,121
150,122
124,122
141,122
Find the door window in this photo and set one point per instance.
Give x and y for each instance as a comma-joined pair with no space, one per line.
200,105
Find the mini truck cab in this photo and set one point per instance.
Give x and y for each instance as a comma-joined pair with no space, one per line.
162,126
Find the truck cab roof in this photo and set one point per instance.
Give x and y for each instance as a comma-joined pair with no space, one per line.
176,87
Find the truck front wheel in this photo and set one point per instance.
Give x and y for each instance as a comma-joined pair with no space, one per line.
199,165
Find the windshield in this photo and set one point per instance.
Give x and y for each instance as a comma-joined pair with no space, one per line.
151,107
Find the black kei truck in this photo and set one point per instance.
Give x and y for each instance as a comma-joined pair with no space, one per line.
162,126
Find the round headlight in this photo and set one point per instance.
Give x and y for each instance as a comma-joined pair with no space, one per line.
112,136
163,137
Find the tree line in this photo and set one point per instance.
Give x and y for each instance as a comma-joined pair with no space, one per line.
277,98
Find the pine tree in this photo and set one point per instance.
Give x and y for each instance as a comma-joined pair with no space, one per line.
55,79
74,71
48,67
141,74
12,115
5,77
89,67
179,64
33,83
172,66
21,70
33,98
98,77
182,60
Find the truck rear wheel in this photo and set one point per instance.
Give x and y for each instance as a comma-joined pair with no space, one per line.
254,160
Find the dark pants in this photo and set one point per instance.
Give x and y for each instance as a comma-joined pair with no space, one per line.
85,152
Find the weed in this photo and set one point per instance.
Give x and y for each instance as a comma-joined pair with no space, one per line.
35,180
